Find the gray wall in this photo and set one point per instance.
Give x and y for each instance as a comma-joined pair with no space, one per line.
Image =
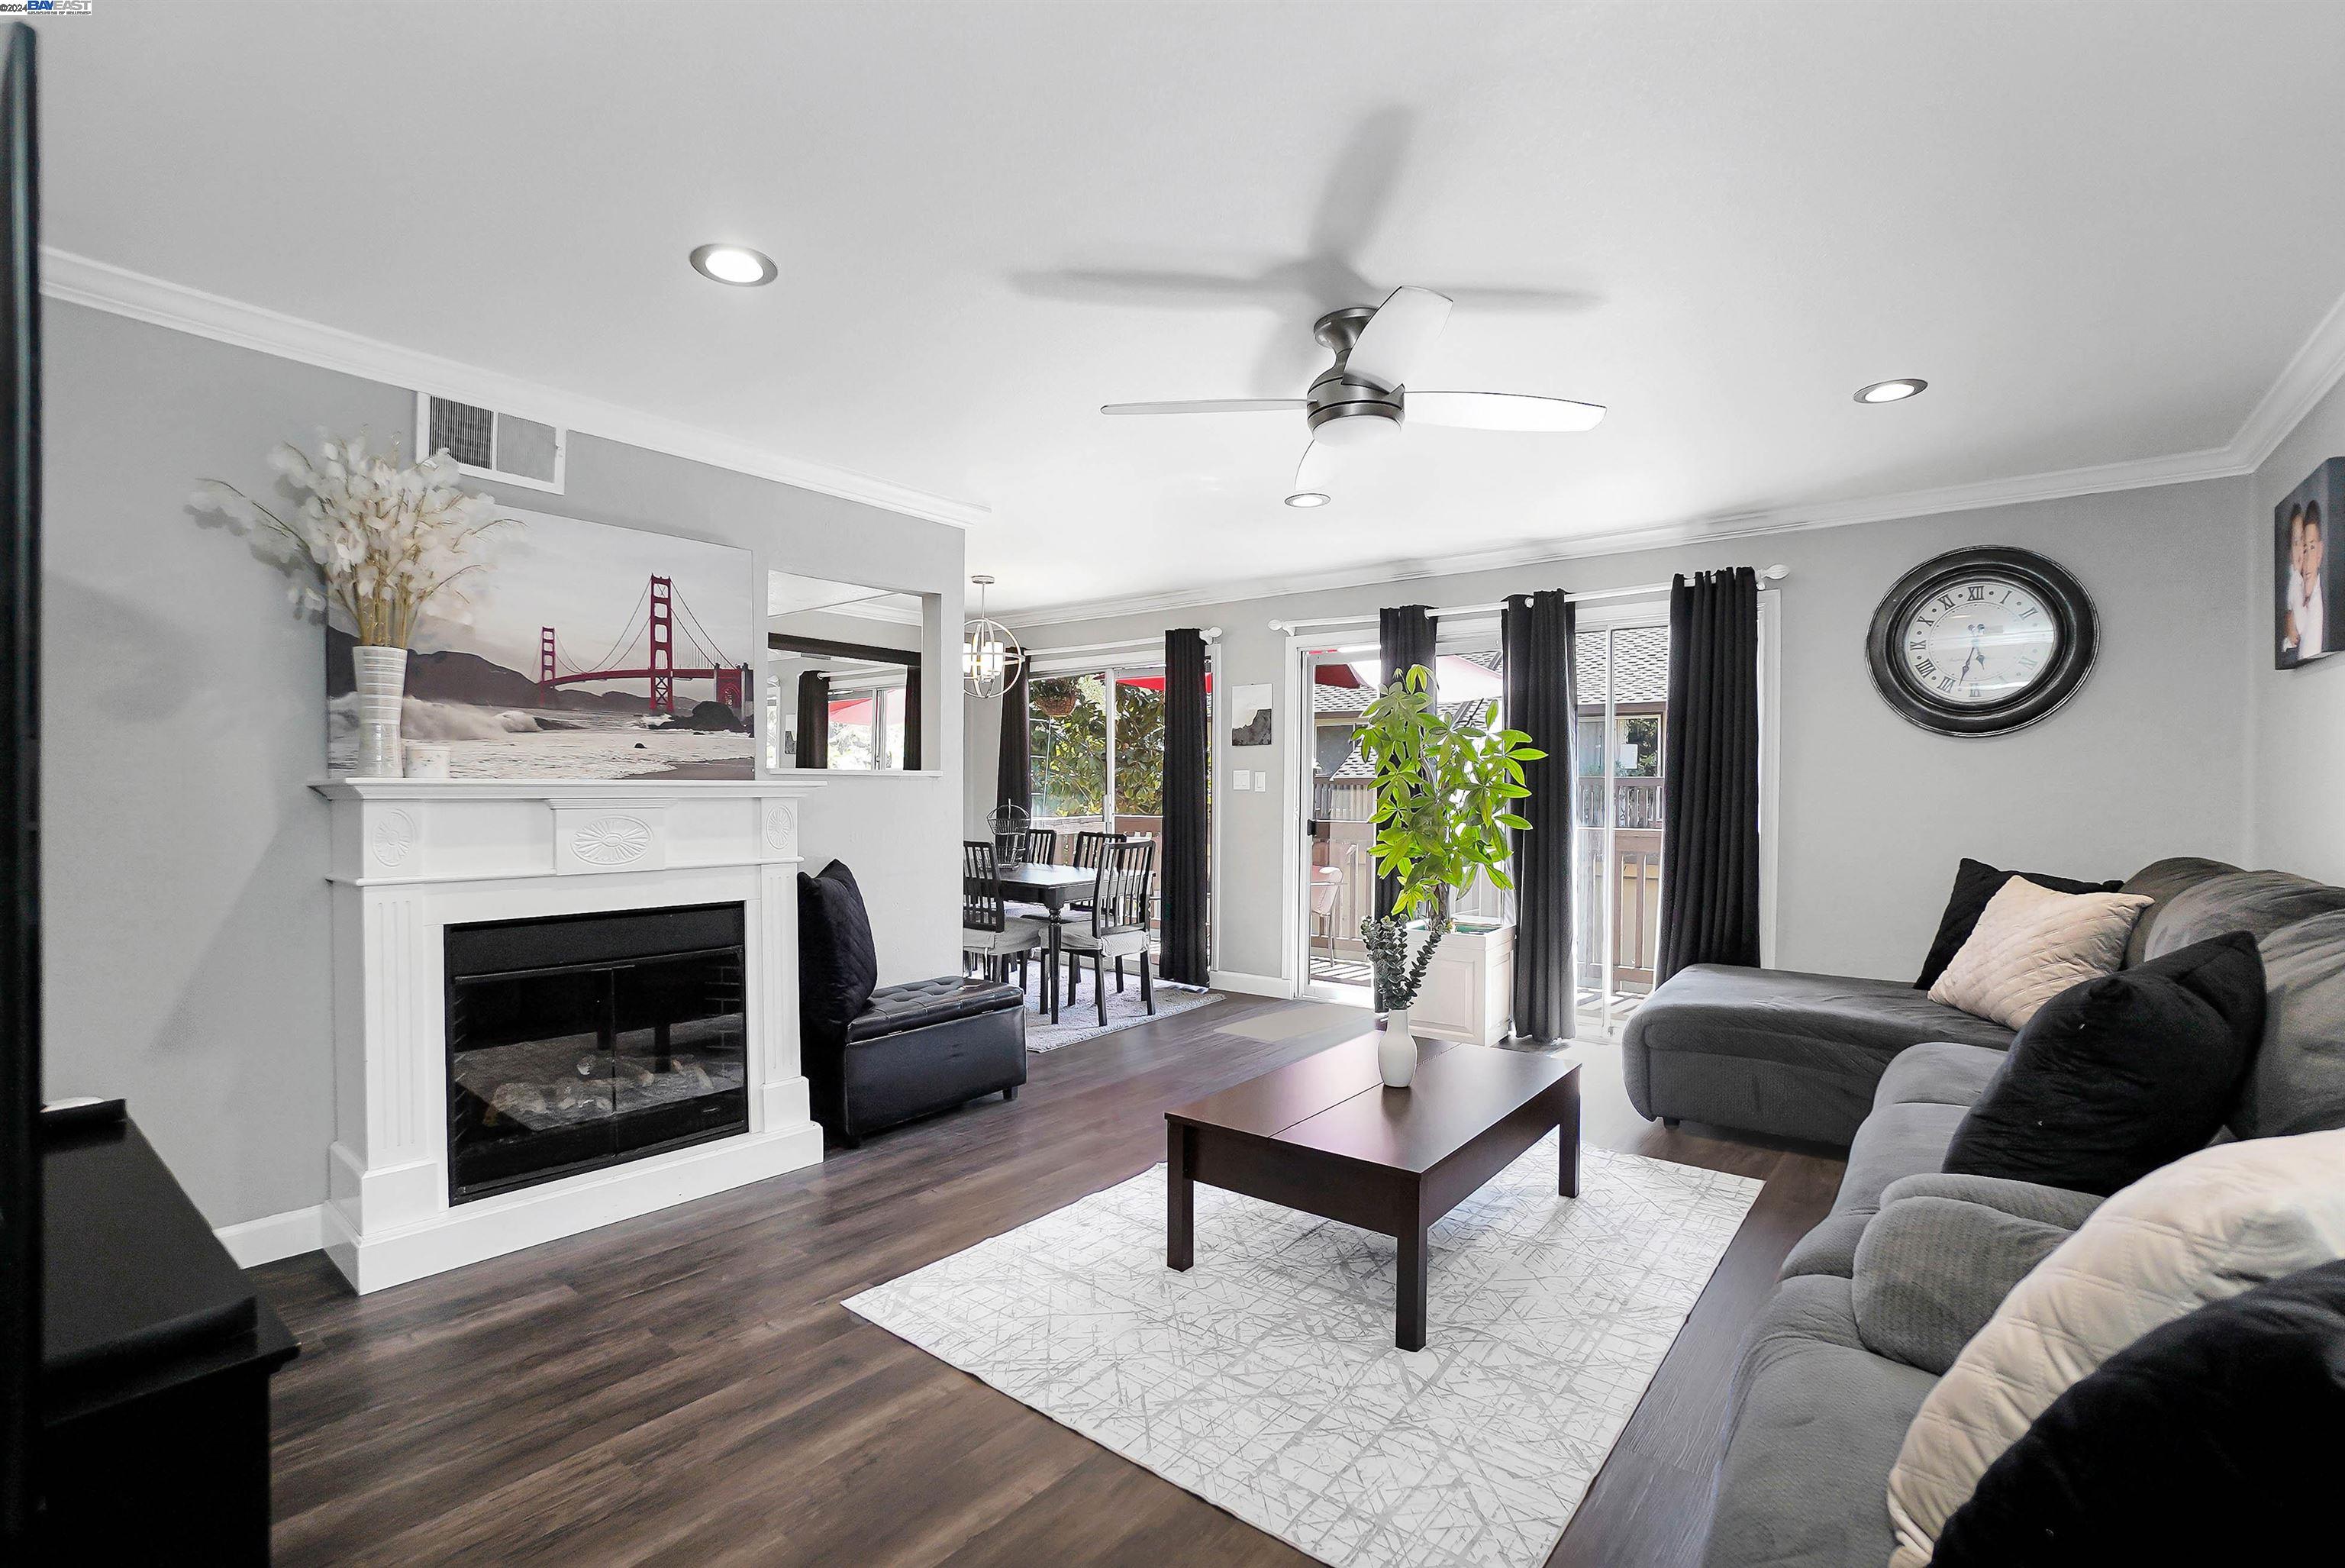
185,854
2299,714
2147,760
981,763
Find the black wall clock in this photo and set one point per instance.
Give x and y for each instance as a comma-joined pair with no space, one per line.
1982,641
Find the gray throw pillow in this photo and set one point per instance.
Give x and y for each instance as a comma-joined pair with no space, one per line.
1934,1263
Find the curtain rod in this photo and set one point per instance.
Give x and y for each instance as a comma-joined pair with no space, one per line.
1208,633
1776,573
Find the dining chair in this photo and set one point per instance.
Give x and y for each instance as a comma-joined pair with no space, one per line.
1028,847
1122,897
1033,847
1326,892
986,932
1091,846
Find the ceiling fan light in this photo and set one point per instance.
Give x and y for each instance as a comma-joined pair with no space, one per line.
1356,429
1896,391
1309,498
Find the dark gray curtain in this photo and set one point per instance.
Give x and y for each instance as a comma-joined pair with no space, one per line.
814,719
1405,636
1710,839
1535,631
912,717
1182,936
1014,778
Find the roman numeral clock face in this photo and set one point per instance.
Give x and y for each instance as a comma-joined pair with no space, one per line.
1982,641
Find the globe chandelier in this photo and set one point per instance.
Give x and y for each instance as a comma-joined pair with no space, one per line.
990,658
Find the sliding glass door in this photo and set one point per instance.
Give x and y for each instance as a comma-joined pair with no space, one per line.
1338,804
1621,704
1098,748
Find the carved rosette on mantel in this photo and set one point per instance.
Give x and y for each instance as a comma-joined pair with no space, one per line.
412,857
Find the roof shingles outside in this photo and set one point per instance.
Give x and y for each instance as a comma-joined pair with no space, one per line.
1643,677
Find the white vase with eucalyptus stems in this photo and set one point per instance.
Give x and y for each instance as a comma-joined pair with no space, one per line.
381,674
386,542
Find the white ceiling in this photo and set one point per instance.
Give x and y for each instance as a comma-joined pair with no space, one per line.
2100,232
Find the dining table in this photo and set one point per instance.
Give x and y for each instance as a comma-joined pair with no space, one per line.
1033,881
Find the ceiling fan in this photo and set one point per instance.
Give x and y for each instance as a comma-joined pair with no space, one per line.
1363,396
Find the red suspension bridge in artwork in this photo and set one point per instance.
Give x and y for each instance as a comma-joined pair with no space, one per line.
650,633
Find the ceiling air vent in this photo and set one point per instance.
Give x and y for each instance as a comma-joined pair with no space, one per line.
501,446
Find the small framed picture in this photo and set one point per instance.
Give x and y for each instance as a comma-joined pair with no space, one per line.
1250,715
484,441
2308,568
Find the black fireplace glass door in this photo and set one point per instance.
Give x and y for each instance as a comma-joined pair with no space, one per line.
531,1091
552,1072
680,1064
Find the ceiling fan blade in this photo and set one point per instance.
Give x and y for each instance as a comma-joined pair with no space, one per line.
1499,411
1210,405
1316,474
1132,285
1398,336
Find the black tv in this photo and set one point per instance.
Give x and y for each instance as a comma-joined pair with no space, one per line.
20,785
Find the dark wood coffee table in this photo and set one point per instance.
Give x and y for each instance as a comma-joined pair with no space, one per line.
1325,1136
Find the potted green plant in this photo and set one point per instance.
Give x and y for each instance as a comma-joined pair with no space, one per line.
1445,795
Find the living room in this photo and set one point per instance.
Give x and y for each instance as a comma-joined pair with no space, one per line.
1654,880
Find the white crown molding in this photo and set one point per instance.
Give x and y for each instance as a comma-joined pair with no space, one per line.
101,286
2183,468
2309,377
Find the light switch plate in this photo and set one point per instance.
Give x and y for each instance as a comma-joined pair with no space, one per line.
1260,779
1239,781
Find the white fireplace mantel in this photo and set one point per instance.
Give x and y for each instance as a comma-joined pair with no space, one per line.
410,858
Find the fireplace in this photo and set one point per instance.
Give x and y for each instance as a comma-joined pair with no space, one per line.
492,935
581,1041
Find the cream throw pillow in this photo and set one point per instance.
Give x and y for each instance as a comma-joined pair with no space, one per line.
2202,1229
2031,944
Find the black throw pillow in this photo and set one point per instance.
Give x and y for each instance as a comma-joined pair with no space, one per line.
2214,1439
2116,1077
1975,883
838,965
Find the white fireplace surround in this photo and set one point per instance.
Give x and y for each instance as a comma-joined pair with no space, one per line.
412,857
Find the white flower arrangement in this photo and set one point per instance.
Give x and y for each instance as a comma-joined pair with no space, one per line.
386,542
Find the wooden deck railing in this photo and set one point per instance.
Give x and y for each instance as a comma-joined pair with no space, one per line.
1636,804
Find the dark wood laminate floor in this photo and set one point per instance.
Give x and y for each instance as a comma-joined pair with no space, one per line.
684,1389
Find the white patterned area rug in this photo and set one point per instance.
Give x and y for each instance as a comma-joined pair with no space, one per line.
1264,1380
1078,1020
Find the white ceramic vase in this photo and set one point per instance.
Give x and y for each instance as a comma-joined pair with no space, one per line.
1396,1049
382,686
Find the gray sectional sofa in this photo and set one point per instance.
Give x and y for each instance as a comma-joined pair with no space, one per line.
1876,1302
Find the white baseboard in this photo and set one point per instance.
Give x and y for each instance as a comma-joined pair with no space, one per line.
275,1236
492,1227
1252,985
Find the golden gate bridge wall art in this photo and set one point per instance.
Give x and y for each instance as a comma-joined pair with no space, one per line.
595,652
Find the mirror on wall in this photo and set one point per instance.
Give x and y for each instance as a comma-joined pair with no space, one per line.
842,675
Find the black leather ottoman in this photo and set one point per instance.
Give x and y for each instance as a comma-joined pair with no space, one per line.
914,1050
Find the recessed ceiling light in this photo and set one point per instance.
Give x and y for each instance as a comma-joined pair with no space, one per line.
1309,498
734,264
1897,390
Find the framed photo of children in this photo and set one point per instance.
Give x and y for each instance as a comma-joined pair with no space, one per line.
2308,568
